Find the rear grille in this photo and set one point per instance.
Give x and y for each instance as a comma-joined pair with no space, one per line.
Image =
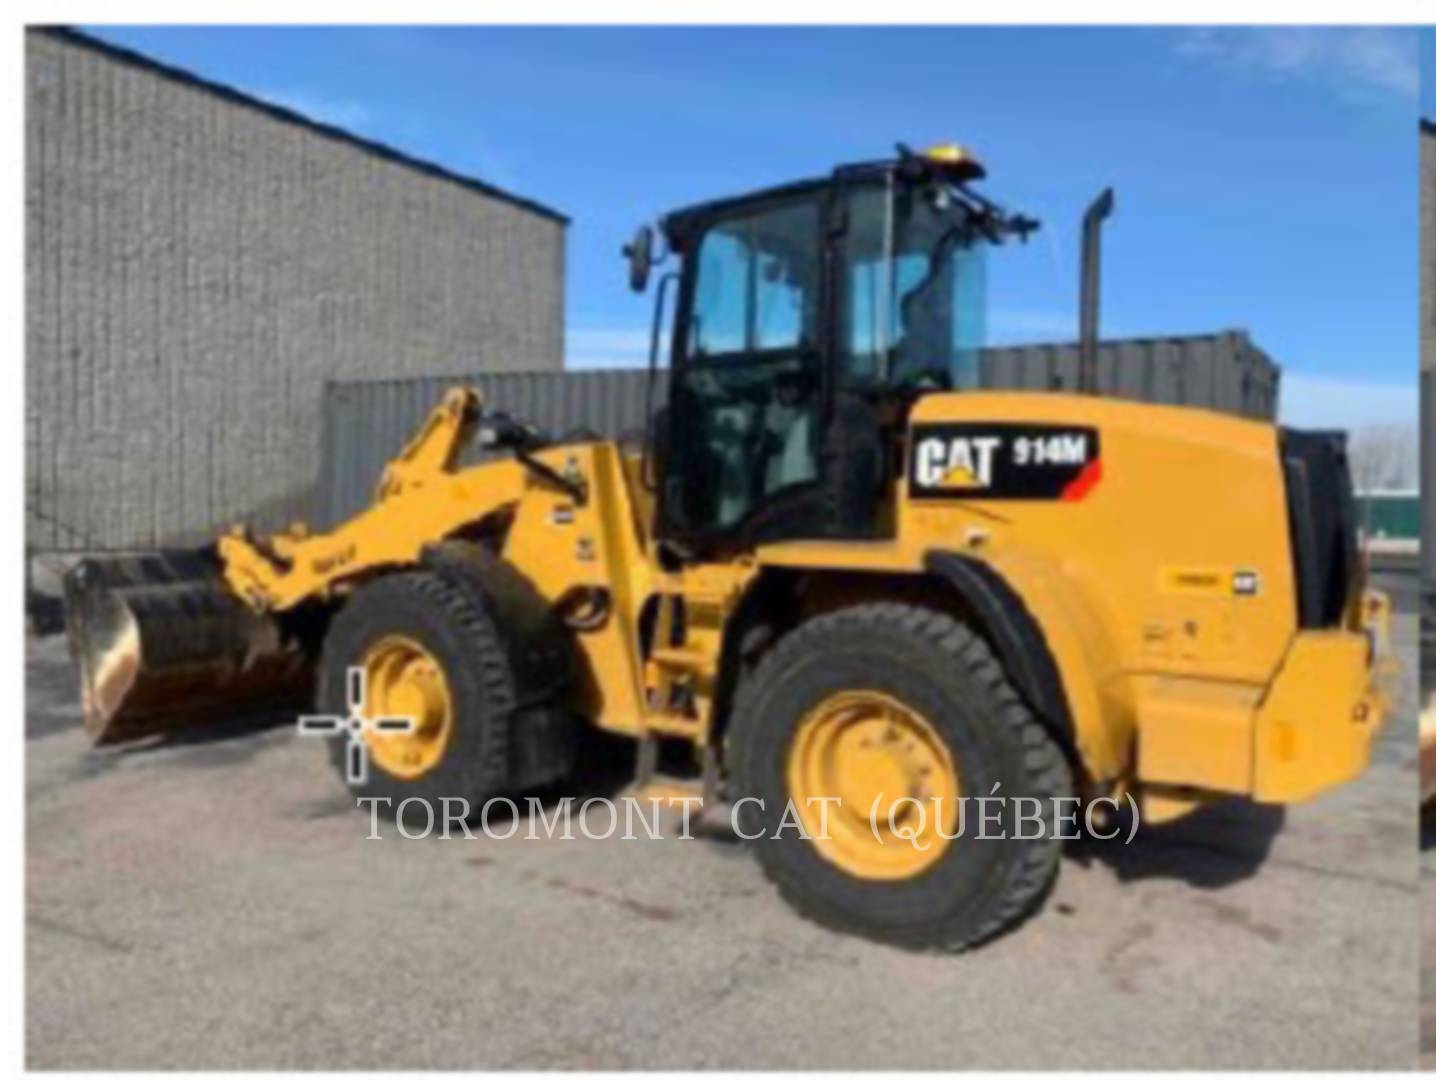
1323,540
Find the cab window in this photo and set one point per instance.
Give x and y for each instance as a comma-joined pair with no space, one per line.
757,284
912,292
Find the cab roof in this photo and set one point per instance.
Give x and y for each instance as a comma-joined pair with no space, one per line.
948,161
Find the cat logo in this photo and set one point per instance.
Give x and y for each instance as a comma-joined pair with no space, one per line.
963,462
997,460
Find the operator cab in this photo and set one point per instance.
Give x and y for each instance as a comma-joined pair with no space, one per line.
808,317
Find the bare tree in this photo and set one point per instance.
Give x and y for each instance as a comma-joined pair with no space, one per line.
1383,457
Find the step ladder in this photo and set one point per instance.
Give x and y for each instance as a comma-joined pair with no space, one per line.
681,670
680,677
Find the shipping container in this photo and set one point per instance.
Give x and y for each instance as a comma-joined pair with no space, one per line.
1224,371
366,422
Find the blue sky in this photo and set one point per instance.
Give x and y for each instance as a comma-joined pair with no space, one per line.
1265,178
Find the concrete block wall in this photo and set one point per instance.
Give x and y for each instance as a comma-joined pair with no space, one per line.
198,264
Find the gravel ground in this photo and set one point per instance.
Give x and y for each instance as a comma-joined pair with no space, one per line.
214,903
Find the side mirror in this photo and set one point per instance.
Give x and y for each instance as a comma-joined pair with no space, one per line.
639,253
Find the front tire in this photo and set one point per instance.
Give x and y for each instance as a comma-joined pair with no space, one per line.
431,652
905,703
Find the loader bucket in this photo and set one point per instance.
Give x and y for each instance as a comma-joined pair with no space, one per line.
162,643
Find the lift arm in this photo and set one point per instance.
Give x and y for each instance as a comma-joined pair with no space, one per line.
436,447
421,499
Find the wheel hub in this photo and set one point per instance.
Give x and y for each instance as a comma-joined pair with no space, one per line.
404,680
894,779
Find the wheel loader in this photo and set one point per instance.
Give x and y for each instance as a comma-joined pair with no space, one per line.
836,576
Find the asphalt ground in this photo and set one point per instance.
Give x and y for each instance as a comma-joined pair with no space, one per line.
213,903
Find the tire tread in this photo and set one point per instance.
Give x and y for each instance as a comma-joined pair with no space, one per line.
1046,769
484,772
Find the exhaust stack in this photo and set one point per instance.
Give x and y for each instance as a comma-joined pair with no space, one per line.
1098,211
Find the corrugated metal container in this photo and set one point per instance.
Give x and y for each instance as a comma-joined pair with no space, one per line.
365,423
1225,371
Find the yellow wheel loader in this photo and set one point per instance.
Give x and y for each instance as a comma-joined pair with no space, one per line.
838,579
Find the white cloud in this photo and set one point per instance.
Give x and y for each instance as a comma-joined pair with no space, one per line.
1357,61
596,347
1318,401
336,112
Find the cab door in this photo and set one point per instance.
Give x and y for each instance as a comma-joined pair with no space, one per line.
748,379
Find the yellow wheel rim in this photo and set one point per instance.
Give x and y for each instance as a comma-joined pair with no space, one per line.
402,678
880,759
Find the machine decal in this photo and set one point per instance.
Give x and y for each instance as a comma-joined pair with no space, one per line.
1004,461
1213,581
1245,583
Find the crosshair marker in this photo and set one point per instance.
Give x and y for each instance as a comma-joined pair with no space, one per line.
355,725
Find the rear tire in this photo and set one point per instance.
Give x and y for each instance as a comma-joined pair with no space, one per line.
933,667
447,625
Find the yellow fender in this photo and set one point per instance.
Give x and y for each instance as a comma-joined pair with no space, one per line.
1045,616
